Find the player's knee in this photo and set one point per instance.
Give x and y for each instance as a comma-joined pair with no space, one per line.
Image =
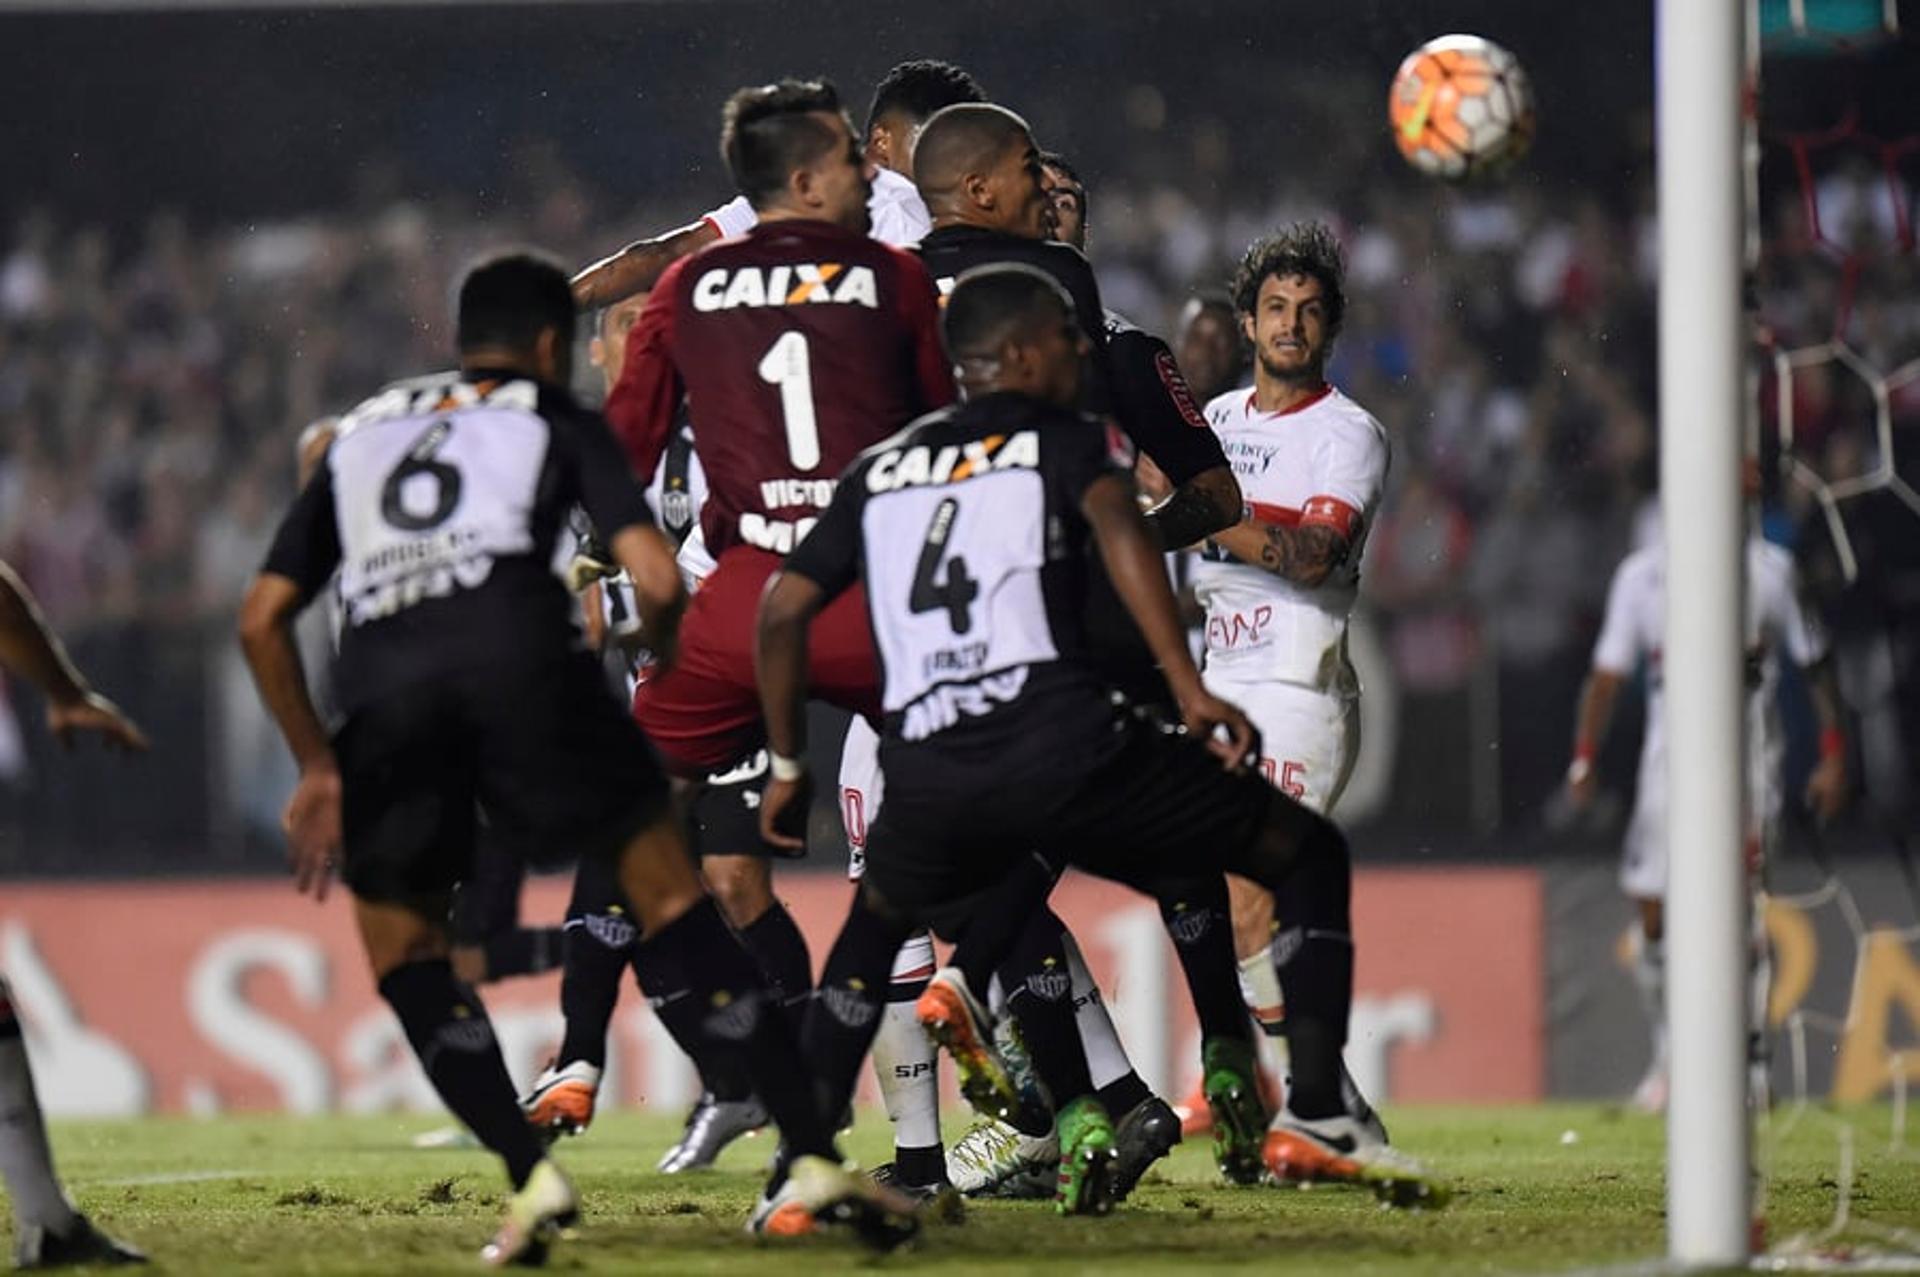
1251,906
742,886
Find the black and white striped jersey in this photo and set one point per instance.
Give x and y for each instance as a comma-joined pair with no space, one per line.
967,530
440,502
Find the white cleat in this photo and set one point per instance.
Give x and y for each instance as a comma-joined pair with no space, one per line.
997,1160
561,1101
536,1214
819,1194
1342,1150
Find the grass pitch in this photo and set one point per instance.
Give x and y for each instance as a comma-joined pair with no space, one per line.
1538,1189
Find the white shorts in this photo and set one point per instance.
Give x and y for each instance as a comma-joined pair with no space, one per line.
1643,861
1308,739
860,790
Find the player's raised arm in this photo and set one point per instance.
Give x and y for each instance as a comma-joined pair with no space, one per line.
28,648
638,267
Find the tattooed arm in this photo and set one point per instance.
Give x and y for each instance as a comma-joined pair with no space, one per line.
1207,503
1303,555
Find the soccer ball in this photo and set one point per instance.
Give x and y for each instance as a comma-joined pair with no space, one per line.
1461,107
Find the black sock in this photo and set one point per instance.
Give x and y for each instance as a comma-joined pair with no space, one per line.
845,1012
524,951
722,1075
1123,1095
734,1015
920,1165
998,920
453,1037
1040,998
1314,954
599,946
775,942
1196,918
1313,1059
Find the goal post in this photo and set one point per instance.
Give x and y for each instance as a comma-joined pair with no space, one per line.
1700,62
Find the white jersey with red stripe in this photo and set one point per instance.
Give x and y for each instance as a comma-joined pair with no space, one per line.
1321,462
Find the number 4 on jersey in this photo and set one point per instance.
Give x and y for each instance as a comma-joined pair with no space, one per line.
957,593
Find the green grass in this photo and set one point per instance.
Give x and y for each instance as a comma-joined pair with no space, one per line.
348,1195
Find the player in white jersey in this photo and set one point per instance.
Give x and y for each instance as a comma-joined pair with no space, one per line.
1633,631
1278,587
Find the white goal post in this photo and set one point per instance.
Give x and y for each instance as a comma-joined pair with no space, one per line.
1699,57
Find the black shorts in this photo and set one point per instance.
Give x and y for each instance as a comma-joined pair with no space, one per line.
488,902
559,769
723,812
1149,808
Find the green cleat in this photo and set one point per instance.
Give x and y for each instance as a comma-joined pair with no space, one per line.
1239,1117
1086,1159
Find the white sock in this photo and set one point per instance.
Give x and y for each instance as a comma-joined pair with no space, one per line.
1260,990
904,1057
1107,1060
26,1163
1650,977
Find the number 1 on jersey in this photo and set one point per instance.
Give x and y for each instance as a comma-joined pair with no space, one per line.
787,366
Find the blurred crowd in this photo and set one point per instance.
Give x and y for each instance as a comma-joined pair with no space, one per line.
151,392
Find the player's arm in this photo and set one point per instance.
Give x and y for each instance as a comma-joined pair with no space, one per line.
1827,786
1139,575
1207,503
312,817
658,592
638,266
820,569
28,648
1304,554
645,399
616,508
305,552
1590,723
1798,630
1615,653
1348,471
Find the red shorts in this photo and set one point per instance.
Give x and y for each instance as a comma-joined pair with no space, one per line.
703,715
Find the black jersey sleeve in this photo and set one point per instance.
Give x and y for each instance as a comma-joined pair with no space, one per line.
829,555
1154,405
1078,452
598,471
306,549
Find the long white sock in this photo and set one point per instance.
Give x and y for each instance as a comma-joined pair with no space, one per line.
1650,977
26,1162
1107,1060
904,1057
